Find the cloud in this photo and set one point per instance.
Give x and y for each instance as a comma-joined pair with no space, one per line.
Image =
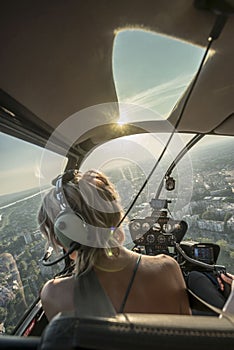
161,94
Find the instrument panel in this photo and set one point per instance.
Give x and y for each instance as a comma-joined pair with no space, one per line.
157,235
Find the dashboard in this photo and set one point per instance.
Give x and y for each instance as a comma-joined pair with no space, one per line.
160,234
157,234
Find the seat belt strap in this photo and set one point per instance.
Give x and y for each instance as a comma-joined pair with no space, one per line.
217,310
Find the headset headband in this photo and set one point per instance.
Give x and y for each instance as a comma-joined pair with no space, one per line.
59,181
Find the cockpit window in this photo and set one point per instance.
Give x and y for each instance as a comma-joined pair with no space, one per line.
152,70
204,183
210,212
22,181
129,160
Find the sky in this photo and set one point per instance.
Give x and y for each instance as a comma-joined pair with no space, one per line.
21,165
149,69
153,70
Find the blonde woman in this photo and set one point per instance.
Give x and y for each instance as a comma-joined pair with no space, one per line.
108,278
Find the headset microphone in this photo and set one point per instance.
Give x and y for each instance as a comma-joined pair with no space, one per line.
74,246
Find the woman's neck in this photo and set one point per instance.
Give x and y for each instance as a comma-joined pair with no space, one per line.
114,263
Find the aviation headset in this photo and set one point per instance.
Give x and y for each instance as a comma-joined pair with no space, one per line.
69,226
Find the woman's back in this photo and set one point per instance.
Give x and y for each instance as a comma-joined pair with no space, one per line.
85,208
158,286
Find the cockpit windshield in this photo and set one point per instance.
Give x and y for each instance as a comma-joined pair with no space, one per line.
152,70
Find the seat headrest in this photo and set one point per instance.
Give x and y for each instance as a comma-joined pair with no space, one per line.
137,332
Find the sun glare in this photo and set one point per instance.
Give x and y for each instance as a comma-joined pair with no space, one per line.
121,123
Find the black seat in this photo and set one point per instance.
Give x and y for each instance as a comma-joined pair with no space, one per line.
138,332
8,342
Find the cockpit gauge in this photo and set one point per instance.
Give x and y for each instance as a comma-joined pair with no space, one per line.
156,227
150,238
161,239
145,226
136,225
139,238
170,184
177,227
167,227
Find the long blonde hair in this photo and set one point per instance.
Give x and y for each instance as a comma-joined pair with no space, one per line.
94,197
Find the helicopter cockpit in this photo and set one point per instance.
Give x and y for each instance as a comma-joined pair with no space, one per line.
143,91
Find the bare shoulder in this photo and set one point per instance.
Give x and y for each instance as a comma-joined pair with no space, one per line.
48,290
52,295
53,287
161,260
168,260
170,264
56,296
161,264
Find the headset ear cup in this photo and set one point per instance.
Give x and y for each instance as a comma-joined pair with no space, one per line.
70,227
63,240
